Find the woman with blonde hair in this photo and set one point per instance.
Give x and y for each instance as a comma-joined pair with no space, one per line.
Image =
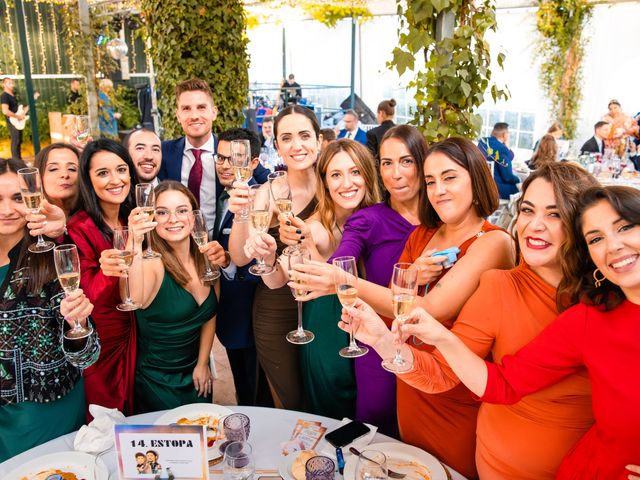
346,182
108,117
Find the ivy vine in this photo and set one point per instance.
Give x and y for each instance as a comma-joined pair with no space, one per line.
561,46
331,14
456,74
199,38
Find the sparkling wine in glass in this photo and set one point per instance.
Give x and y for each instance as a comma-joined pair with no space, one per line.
67,262
146,200
260,216
31,191
299,336
200,235
281,193
241,162
345,279
124,241
404,288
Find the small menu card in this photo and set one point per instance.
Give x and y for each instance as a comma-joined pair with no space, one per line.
167,451
305,436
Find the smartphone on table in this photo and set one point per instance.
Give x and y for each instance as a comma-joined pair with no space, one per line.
346,434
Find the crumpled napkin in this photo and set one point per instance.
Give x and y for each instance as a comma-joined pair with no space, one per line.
360,443
97,437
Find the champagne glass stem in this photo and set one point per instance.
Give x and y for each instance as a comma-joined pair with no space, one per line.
148,237
127,294
40,242
300,329
352,341
208,265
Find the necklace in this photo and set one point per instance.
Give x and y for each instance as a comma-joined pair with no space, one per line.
339,229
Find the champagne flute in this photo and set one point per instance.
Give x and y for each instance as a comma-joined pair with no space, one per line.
281,193
260,215
241,162
372,465
200,235
404,288
67,262
345,278
299,336
31,191
121,239
146,200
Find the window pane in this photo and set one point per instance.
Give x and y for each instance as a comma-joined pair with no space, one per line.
525,140
527,121
494,117
512,119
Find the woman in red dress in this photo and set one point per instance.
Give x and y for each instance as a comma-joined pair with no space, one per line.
599,332
107,190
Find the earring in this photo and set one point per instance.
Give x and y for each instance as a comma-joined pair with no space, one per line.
598,281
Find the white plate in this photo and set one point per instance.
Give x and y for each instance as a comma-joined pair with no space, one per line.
284,469
83,465
400,452
192,411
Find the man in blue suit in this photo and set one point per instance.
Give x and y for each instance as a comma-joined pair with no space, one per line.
351,129
495,149
234,325
190,159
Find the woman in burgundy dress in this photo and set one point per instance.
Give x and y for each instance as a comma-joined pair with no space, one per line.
107,189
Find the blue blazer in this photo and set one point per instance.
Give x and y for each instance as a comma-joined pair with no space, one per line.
360,137
234,324
502,157
171,167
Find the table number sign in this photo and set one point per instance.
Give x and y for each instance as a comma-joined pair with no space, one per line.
152,451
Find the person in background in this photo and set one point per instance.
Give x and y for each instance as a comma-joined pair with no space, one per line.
351,129
622,126
597,143
268,153
328,135
555,130
145,149
547,152
58,164
107,116
74,91
598,334
234,326
42,395
266,133
107,192
176,323
10,110
496,149
386,112
293,91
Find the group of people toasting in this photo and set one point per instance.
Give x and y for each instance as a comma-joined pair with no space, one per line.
378,293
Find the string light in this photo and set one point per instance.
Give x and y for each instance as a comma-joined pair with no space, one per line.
56,46
133,50
41,36
13,47
26,32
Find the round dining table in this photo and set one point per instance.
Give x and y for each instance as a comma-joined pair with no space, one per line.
270,428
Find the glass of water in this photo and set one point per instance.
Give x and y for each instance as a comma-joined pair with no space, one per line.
372,465
238,462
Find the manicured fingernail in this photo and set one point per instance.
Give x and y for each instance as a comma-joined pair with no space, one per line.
288,223
298,231
302,237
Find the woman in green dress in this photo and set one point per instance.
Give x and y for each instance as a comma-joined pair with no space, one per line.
41,386
346,181
176,323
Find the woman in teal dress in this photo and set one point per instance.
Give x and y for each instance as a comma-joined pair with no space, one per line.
346,181
176,324
41,387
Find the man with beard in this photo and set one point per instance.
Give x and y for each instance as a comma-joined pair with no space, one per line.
146,152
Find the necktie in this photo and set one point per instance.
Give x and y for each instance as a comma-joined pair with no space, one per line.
349,135
219,209
195,174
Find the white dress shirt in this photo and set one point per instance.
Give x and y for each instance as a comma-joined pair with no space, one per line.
208,185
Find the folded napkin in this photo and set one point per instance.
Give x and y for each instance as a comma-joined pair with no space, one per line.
329,450
97,437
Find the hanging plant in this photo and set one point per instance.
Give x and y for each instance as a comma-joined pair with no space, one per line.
456,74
331,14
561,46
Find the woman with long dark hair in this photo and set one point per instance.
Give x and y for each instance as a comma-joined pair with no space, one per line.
58,164
42,391
107,190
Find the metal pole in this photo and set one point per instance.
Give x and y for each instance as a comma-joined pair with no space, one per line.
26,66
352,100
92,92
284,53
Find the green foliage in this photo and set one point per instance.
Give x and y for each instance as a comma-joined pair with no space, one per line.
125,102
331,14
199,38
456,74
561,46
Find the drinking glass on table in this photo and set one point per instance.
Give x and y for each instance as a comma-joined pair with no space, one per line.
31,191
146,200
67,262
238,463
281,193
200,235
404,288
236,428
299,336
241,162
345,279
372,465
125,242
260,215
319,468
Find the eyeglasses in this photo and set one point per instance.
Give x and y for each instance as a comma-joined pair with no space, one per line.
220,159
163,215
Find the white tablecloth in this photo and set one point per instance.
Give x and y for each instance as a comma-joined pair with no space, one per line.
269,428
